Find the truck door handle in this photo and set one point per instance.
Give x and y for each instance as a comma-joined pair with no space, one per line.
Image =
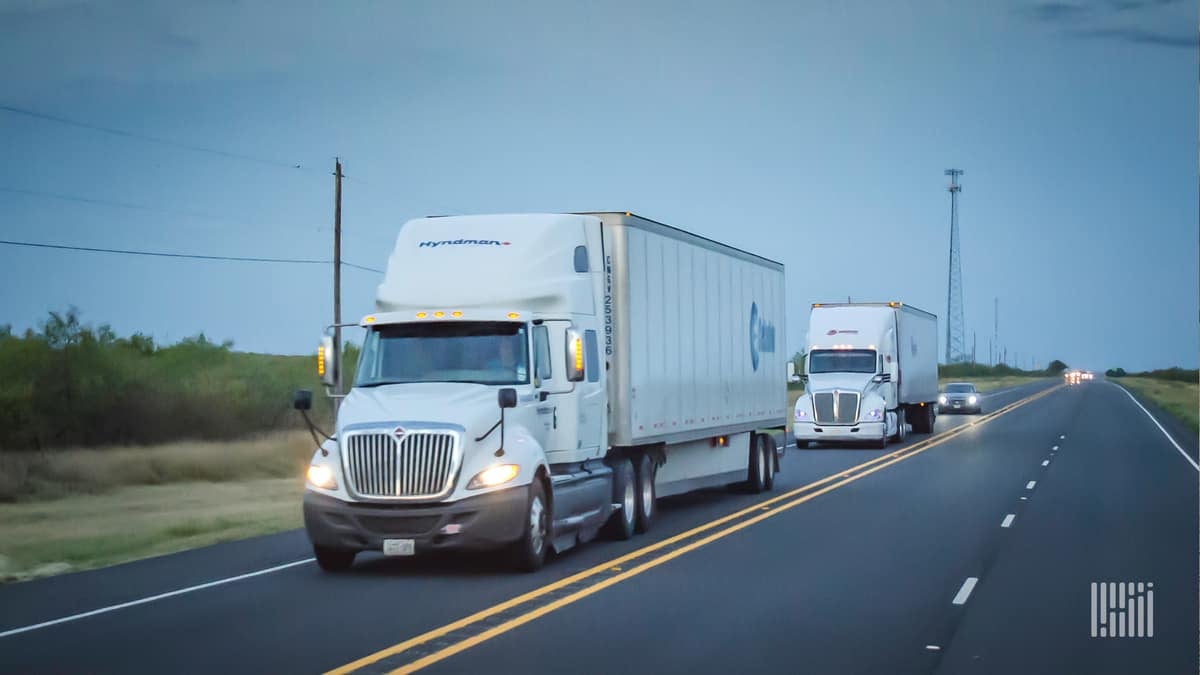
555,417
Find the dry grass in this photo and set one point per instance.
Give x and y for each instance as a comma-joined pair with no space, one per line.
1181,399
56,474
87,531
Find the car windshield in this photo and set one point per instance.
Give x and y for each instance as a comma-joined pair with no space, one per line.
960,389
842,361
493,353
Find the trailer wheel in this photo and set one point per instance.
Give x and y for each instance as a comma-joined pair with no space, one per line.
620,525
768,453
529,552
647,493
334,559
756,481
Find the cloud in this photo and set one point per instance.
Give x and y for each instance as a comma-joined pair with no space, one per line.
1059,12
1142,37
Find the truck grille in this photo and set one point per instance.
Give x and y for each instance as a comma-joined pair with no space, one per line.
839,407
412,465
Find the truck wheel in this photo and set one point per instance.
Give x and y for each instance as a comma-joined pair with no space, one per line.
529,552
802,445
901,423
756,481
647,493
620,525
768,451
333,559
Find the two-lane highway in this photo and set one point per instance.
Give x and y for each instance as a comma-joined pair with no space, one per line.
858,561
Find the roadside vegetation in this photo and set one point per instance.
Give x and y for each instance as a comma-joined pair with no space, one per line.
74,385
1175,390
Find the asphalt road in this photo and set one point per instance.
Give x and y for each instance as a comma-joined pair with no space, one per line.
858,561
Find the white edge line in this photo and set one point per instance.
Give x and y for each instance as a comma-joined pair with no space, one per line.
160,596
1008,520
1160,427
1030,484
965,591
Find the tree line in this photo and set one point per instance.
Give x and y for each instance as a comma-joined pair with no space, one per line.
71,384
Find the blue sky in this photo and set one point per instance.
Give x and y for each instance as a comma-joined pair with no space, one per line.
815,133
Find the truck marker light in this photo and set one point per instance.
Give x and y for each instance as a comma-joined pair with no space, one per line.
369,319
438,315
456,314
513,315
321,361
421,315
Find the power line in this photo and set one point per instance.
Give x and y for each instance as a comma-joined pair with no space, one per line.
192,256
154,139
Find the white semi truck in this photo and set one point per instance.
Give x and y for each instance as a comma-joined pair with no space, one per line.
871,371
529,381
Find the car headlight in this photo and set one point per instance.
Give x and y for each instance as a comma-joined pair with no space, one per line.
942,400
320,475
493,476
972,400
875,414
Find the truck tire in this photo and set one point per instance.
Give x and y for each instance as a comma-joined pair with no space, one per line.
901,423
647,493
620,525
768,451
802,445
334,559
528,553
882,443
756,481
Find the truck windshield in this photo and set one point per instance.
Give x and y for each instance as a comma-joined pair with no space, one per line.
842,361
493,353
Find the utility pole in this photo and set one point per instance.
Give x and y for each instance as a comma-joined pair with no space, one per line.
974,343
996,323
337,282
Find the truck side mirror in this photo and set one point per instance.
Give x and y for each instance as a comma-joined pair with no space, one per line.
791,370
507,397
302,399
327,362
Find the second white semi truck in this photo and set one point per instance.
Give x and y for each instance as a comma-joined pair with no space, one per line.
871,371
527,381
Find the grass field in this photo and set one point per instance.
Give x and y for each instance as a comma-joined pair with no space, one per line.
1181,399
43,538
79,509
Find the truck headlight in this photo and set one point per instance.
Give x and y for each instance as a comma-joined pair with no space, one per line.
493,476
801,414
942,400
321,476
875,414
972,400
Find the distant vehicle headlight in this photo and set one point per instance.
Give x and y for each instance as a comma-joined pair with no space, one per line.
973,400
942,400
321,476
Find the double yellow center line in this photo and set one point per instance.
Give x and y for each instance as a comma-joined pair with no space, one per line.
441,643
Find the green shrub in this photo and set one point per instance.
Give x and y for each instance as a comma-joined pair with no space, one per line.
74,385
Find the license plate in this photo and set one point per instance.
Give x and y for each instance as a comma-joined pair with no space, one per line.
398,547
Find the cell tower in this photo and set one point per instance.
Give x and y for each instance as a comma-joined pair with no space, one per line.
956,348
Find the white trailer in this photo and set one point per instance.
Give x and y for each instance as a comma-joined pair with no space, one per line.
527,380
871,371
